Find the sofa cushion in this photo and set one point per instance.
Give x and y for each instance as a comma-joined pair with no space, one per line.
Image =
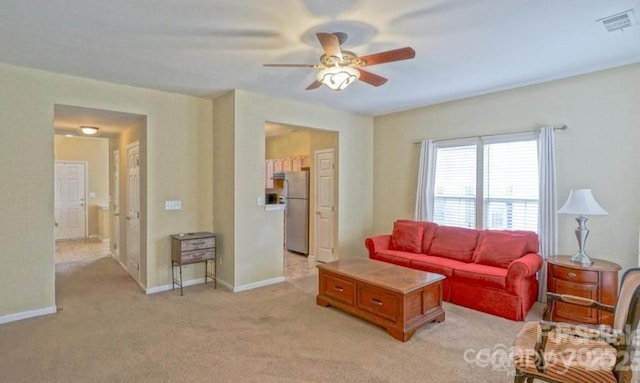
401,258
438,265
532,241
499,248
481,275
406,237
454,243
427,235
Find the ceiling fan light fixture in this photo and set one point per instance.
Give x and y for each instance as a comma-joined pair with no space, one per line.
338,77
89,130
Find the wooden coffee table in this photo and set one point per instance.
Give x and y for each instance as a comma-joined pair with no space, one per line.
396,298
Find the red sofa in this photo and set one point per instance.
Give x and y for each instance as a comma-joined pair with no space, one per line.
487,270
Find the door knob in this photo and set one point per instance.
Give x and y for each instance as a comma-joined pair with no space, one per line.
56,224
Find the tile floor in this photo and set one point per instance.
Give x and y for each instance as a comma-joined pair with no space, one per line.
298,266
80,249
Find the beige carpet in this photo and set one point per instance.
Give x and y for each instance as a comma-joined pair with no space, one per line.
108,331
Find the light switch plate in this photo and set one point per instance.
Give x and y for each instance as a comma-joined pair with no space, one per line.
173,205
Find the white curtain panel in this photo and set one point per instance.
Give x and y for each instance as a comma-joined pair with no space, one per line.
548,206
424,194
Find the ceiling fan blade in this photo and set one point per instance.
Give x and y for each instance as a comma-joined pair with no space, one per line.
371,79
388,56
314,85
293,65
330,44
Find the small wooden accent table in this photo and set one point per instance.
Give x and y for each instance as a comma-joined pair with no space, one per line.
598,281
190,248
396,298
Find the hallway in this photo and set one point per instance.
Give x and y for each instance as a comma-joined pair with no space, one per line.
80,249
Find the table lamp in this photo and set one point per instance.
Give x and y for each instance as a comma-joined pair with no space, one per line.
581,202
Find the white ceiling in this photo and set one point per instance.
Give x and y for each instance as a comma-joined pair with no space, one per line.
205,47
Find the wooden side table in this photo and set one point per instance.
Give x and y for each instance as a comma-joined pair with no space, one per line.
599,281
192,248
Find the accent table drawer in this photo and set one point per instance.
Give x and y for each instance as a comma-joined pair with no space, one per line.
197,256
340,289
575,275
198,243
377,302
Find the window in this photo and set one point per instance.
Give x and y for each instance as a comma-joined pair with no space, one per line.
489,183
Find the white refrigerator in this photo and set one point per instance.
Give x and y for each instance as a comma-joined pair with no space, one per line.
296,191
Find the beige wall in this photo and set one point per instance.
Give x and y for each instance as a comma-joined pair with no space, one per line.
179,166
598,151
291,144
95,152
257,234
224,186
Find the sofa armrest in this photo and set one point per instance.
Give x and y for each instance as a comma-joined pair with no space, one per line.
377,243
522,268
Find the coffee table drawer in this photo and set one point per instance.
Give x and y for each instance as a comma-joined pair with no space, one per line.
378,302
340,289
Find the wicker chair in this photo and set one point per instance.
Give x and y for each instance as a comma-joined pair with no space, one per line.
567,353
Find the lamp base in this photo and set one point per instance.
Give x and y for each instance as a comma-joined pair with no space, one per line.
581,235
581,258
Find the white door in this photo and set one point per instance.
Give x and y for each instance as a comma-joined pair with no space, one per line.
324,222
69,205
133,210
115,245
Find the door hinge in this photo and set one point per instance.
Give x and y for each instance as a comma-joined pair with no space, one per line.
332,209
332,251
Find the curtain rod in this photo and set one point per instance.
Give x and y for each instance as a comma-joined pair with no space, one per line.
560,127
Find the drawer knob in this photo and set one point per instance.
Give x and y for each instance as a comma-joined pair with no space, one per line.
571,275
376,302
338,288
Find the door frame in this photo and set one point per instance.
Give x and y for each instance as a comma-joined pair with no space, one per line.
116,222
316,203
139,274
86,192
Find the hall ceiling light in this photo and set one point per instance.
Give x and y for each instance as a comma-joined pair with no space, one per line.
89,130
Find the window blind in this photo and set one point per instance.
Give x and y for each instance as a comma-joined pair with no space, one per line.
455,186
505,196
511,185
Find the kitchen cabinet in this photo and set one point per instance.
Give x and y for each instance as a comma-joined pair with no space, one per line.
277,165
268,174
304,161
296,163
287,164
280,165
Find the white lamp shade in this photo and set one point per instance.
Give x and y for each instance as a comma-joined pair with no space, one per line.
338,77
581,202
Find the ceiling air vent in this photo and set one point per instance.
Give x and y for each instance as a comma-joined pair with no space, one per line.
619,21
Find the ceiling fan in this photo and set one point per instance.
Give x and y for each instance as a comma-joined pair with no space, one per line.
342,68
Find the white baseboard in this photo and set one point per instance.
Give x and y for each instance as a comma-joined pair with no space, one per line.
27,314
190,282
94,236
236,289
255,285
